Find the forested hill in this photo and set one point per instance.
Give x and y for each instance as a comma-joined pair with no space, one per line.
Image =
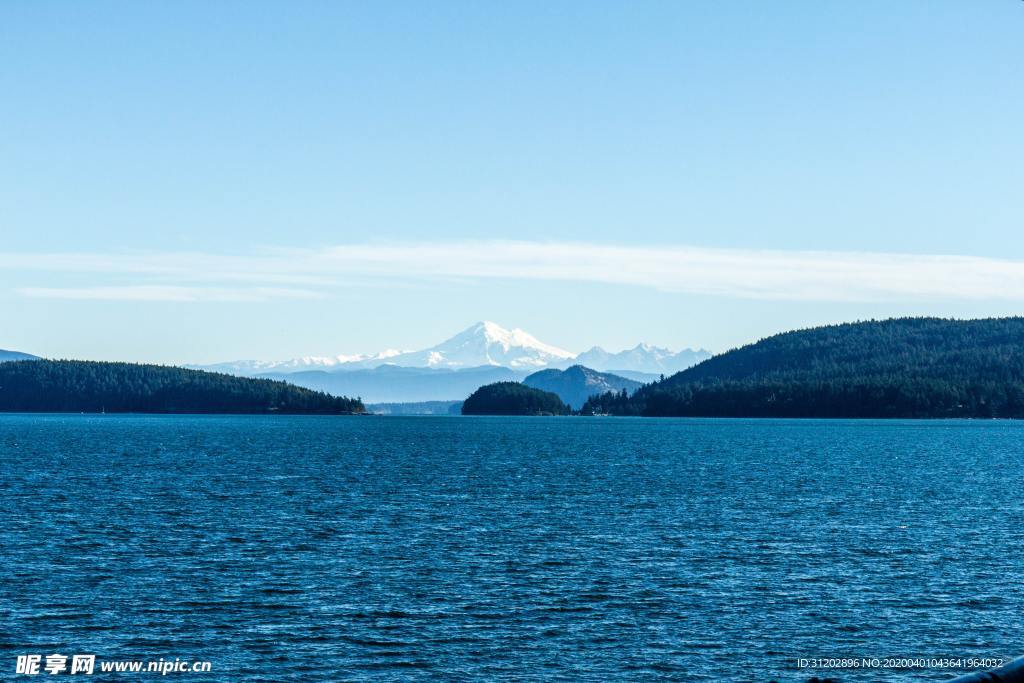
87,386
576,384
906,367
513,398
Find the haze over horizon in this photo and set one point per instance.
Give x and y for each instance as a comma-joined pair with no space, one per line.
202,183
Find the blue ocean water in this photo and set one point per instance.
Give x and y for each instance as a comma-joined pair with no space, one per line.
365,548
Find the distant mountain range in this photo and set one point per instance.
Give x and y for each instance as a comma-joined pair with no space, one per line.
481,354
577,383
643,359
485,343
249,368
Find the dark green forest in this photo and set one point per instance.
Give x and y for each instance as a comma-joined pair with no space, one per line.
513,398
87,386
900,368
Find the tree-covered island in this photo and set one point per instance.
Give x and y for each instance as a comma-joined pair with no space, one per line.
62,386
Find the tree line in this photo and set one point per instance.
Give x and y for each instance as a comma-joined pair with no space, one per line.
91,386
905,367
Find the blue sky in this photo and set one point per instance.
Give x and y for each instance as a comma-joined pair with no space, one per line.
191,182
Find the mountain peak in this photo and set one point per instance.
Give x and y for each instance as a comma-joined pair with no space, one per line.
490,327
490,331
486,343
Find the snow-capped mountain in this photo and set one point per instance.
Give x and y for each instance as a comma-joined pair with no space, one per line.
642,358
486,343
483,344
259,367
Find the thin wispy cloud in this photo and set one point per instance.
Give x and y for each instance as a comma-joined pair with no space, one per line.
737,273
167,293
